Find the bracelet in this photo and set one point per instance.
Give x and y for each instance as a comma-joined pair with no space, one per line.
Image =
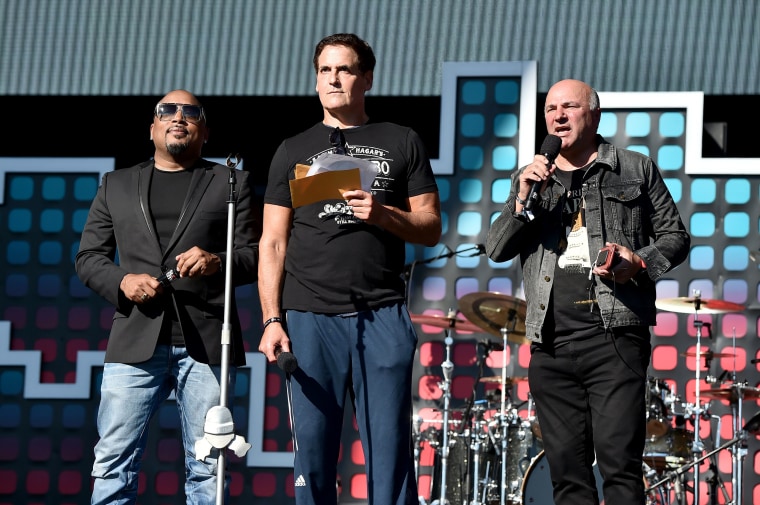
520,200
270,321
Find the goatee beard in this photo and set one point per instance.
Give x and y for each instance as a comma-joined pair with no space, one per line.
176,149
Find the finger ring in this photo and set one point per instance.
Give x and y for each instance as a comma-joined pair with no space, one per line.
144,296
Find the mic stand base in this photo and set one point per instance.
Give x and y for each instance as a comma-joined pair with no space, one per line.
219,434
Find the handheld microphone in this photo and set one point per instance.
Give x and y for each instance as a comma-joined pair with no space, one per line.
287,361
167,277
550,148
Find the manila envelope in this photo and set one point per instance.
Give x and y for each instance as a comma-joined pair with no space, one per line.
323,186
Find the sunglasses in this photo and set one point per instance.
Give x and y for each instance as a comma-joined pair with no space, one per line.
191,113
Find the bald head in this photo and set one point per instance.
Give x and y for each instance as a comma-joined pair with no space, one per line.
578,88
572,113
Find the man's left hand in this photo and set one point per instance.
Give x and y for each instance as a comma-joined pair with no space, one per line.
624,269
196,262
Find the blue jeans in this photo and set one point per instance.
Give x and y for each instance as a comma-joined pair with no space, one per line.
130,395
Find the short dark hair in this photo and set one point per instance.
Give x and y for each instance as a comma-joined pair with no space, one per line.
362,49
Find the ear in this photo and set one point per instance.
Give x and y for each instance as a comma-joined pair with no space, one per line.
369,77
151,131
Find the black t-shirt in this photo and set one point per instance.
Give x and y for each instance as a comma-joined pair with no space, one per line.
168,190
573,309
336,263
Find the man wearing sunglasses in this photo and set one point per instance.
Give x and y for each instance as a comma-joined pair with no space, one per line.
165,220
331,287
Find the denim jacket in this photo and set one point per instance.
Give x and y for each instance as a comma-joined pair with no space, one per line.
626,202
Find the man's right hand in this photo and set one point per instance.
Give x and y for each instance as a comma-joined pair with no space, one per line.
274,340
140,288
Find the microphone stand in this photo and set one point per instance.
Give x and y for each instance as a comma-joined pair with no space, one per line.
219,427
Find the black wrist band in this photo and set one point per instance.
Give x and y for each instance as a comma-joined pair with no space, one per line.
271,320
520,200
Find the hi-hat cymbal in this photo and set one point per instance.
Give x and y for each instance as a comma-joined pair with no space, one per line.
496,379
708,354
494,312
445,322
688,305
733,393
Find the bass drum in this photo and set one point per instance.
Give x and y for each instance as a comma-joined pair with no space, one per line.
537,485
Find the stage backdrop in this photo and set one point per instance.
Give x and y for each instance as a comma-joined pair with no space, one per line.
53,330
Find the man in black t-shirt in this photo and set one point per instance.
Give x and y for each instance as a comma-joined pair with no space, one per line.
331,287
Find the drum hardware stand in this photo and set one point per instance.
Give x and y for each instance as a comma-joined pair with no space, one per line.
417,427
676,476
739,451
715,481
447,367
695,305
697,446
503,411
475,435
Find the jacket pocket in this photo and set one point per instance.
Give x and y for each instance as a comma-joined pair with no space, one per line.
623,206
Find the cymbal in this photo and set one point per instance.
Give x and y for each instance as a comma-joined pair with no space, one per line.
688,305
733,393
496,379
708,354
445,322
494,311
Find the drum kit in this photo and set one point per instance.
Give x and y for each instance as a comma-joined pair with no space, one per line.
493,452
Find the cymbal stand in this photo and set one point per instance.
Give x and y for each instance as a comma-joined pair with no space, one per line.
713,478
503,410
477,434
697,447
738,451
447,367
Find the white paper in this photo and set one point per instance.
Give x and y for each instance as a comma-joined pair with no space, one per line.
332,162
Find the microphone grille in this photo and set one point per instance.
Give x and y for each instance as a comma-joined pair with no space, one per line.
287,362
551,146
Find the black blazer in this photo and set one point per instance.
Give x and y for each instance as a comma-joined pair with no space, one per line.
119,238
